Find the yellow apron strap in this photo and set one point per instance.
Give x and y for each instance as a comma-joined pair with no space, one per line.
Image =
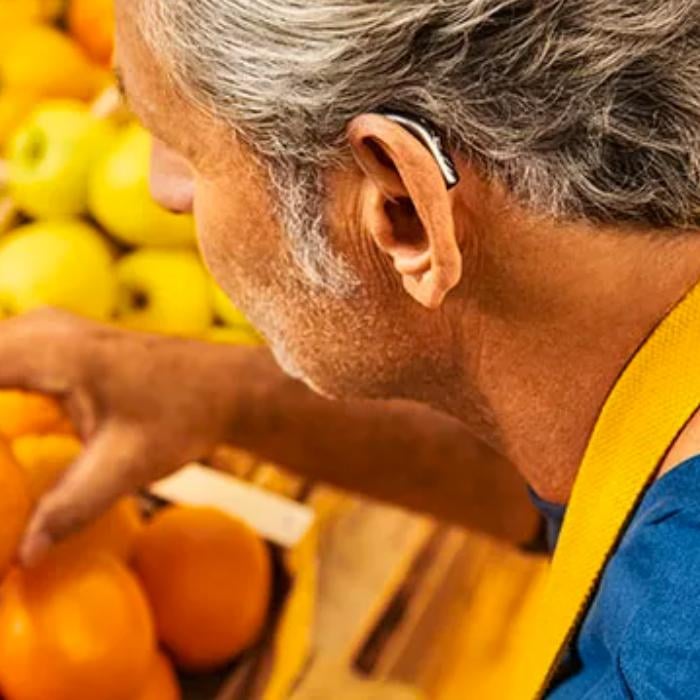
654,398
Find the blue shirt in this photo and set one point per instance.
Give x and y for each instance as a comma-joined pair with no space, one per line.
641,635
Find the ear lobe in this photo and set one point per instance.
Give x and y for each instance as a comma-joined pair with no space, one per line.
406,208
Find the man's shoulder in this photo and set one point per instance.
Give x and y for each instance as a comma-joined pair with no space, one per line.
655,573
670,508
641,636
661,545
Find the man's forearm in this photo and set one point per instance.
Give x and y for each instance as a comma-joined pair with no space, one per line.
394,451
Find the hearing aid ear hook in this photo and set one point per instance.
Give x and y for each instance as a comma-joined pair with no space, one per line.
431,139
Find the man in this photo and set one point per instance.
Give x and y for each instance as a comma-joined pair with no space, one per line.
315,142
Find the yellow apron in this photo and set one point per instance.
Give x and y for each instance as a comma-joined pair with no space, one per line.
656,395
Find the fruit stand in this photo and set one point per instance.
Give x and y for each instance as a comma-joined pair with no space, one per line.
362,598
233,580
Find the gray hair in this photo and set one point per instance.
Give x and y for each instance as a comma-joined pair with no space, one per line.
581,108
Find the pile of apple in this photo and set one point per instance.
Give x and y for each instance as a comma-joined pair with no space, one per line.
81,231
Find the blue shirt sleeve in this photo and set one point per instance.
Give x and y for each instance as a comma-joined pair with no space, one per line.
659,656
640,638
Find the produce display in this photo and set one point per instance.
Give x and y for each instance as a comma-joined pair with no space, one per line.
109,611
79,229
114,610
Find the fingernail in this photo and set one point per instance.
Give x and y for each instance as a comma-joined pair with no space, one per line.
35,548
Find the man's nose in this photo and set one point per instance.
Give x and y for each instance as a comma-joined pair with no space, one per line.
171,181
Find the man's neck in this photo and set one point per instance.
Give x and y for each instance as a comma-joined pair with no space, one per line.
546,371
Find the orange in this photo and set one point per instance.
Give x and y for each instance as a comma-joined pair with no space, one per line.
22,412
15,506
115,532
74,628
91,22
44,458
208,578
41,60
162,683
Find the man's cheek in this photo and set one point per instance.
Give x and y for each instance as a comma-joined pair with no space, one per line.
216,229
231,225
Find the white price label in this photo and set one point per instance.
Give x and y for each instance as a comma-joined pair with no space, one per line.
277,519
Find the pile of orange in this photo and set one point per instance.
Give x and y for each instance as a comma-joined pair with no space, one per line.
87,622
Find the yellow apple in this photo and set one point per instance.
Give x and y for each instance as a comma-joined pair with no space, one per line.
121,201
50,156
14,108
224,308
164,291
234,335
61,263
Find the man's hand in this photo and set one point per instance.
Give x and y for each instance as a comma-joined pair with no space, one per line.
145,405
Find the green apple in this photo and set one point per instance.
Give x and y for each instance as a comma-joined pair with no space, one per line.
234,335
120,198
164,291
50,156
224,308
63,263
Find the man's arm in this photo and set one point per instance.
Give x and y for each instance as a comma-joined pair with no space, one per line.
391,450
148,404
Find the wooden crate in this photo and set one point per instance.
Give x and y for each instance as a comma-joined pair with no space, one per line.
377,603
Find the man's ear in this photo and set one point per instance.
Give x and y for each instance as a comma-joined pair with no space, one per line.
406,207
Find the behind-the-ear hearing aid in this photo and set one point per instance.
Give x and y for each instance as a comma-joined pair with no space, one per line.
431,139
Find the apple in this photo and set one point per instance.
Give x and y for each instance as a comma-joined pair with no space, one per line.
15,107
164,291
50,155
120,198
63,263
225,310
234,335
